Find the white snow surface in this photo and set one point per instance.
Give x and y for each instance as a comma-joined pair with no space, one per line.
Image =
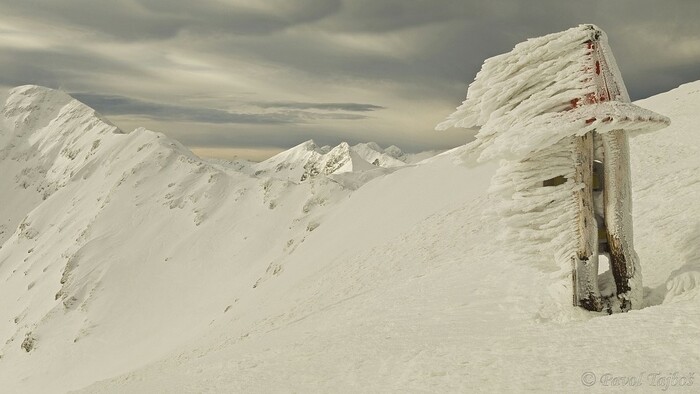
128,264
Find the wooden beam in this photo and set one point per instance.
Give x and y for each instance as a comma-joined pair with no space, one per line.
585,262
624,262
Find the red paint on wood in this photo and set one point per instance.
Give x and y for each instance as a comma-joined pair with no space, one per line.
591,98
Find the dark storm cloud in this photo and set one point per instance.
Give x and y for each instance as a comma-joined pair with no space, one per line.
351,107
469,31
120,105
389,15
215,17
660,79
58,67
465,33
162,19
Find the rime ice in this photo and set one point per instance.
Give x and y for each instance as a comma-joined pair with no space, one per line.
550,109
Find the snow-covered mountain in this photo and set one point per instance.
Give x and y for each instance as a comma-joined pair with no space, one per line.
307,160
128,264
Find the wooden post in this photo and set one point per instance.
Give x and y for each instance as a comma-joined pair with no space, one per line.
585,263
624,263
617,191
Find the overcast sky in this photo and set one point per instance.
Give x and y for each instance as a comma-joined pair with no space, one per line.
252,77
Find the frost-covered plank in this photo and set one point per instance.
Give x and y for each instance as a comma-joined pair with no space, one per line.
624,262
585,269
617,190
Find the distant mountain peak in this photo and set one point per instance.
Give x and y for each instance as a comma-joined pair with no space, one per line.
33,106
307,160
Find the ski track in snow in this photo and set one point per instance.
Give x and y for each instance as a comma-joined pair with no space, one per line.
187,276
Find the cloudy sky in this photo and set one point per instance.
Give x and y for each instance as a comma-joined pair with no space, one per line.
252,77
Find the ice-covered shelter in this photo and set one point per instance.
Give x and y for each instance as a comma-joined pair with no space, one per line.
555,110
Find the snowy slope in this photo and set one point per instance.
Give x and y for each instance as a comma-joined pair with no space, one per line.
128,220
183,276
666,165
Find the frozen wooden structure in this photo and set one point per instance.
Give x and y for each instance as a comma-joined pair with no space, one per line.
556,112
